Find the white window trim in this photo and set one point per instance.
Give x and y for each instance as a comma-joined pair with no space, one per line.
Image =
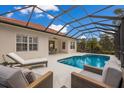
72,45
28,50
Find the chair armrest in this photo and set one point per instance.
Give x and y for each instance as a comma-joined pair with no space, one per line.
45,81
81,81
93,69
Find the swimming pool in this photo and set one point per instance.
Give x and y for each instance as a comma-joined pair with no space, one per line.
89,59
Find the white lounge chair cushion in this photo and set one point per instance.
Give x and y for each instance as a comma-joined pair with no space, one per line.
91,75
112,74
26,62
16,57
11,77
37,60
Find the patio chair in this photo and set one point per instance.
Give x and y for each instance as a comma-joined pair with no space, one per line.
91,77
53,51
16,78
23,62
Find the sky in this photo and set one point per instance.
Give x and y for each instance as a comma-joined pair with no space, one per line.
39,17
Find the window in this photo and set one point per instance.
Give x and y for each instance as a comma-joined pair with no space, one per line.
72,46
21,43
33,44
25,43
63,45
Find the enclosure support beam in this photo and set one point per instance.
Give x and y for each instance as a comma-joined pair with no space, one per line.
16,10
122,43
117,44
64,12
102,24
30,15
95,31
99,28
79,19
106,17
91,24
53,16
83,26
107,29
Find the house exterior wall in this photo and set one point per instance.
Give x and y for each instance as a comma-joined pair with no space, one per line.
8,42
58,44
68,43
66,46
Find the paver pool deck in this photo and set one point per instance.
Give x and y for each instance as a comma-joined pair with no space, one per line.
61,72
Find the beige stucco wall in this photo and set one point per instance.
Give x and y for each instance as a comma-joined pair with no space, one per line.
58,44
8,42
69,43
66,46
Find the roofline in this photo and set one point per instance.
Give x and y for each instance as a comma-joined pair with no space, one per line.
14,24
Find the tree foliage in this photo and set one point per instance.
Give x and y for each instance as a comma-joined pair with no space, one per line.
106,42
119,12
104,45
81,45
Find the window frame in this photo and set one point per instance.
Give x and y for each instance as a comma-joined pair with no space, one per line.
33,43
63,45
22,41
72,45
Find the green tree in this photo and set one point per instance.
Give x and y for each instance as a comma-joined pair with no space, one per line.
119,12
98,48
92,45
106,42
81,45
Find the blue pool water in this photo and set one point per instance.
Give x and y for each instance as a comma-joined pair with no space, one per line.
89,59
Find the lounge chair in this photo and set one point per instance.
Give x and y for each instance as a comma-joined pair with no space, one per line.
23,62
91,77
16,78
